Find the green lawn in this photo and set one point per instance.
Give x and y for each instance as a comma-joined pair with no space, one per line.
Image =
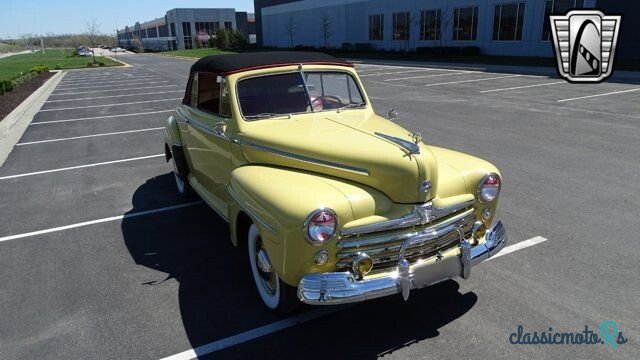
196,53
5,48
13,66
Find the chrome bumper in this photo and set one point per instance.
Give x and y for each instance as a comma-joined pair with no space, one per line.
343,287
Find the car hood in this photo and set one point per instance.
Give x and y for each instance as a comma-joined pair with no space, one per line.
347,145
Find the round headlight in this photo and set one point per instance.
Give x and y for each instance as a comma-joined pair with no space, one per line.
489,188
320,226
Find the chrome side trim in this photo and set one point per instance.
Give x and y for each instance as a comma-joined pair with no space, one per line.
405,144
421,215
211,132
250,212
306,159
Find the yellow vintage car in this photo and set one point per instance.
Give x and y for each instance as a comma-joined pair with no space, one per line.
332,203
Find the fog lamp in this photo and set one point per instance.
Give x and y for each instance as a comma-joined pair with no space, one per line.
478,230
321,257
486,214
362,264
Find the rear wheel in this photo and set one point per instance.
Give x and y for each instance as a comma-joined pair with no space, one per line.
182,185
274,293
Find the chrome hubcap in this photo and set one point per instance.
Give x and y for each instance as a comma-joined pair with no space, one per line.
267,275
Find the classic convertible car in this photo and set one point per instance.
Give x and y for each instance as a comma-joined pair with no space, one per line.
333,203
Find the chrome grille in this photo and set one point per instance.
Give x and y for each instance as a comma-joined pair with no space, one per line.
383,248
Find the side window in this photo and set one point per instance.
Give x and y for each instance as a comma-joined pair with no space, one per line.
193,93
225,102
208,93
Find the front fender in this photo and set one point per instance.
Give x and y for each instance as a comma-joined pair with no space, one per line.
278,201
171,132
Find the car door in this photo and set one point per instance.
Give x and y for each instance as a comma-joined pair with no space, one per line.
208,145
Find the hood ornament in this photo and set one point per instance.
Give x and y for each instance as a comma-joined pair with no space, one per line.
417,137
405,144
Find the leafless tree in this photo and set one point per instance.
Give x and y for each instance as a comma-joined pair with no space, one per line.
290,28
92,35
327,30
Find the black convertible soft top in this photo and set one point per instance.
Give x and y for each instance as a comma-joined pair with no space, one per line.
231,63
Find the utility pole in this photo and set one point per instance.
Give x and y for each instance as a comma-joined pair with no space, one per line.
42,45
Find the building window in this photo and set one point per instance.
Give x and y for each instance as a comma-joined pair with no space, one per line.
430,24
186,33
162,31
207,28
152,32
173,29
507,21
376,27
465,23
401,26
228,25
557,7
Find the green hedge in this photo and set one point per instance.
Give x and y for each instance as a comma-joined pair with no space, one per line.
10,85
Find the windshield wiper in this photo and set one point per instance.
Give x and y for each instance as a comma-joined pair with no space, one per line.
265,115
351,106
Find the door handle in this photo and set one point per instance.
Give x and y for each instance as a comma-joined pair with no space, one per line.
219,128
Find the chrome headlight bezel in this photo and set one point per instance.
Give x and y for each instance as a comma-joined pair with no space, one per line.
481,185
306,229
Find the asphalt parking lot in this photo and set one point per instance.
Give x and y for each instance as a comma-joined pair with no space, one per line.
100,258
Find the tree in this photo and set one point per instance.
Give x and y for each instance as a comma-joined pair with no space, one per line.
290,28
92,35
327,31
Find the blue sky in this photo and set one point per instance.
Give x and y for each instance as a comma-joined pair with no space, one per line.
70,16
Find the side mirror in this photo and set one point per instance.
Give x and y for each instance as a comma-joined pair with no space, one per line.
220,128
392,114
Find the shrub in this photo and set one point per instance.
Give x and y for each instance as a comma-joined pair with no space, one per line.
237,40
89,64
6,85
57,67
303,47
39,69
100,63
222,39
470,51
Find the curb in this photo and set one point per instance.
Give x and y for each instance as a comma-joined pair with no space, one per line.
178,57
124,64
13,125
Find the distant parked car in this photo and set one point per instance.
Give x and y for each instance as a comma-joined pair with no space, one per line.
117,49
85,53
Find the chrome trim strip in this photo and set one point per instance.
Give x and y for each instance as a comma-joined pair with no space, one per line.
405,144
201,127
421,215
306,159
342,287
250,212
382,239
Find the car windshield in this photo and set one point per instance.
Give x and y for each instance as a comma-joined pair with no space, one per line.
284,94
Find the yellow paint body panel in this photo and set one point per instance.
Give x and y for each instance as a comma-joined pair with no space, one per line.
281,169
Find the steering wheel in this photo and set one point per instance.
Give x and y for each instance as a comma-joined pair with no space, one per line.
326,102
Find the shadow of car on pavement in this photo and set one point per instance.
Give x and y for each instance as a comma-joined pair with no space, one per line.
217,298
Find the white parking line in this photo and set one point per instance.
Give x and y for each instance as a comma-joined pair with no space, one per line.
79,167
428,76
598,95
98,221
118,104
98,117
519,246
88,136
115,96
302,318
121,89
105,82
473,80
523,87
396,72
253,334
101,86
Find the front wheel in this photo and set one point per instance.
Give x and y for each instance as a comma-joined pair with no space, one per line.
275,294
